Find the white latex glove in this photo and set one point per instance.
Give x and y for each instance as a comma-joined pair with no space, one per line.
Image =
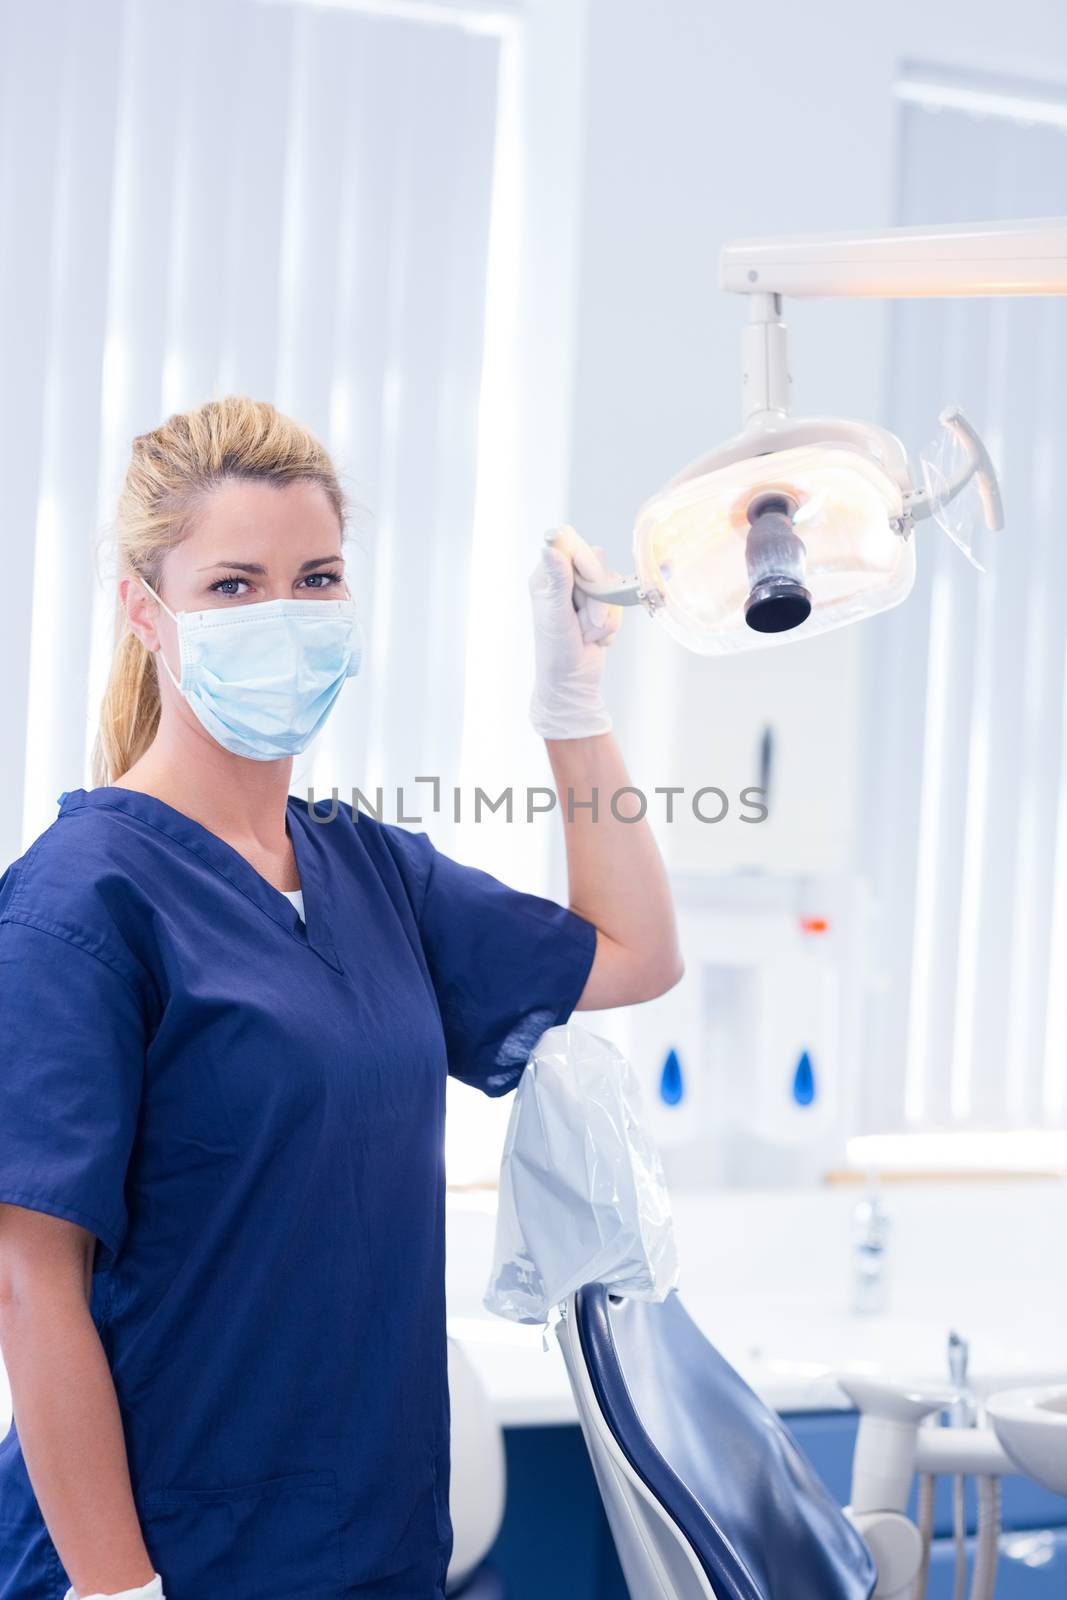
569,639
148,1591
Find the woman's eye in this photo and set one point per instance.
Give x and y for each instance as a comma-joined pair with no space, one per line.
227,586
328,579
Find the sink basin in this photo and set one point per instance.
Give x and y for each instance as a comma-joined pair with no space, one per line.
1031,1424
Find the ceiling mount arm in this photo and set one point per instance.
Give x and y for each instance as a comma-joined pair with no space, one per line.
975,258
766,382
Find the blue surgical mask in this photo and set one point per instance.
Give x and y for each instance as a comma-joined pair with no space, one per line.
263,678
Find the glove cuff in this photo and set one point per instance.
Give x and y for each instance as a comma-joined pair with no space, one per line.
564,722
153,1590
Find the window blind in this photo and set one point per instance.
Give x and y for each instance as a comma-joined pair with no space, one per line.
964,800
200,197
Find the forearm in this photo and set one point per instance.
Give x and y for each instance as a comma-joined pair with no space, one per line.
616,875
71,1434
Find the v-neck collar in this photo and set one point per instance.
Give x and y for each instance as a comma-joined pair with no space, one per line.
308,847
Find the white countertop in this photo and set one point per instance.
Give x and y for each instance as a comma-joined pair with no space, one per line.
766,1275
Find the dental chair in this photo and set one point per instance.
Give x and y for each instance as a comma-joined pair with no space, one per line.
709,1497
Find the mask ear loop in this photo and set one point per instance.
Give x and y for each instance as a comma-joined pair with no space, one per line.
145,584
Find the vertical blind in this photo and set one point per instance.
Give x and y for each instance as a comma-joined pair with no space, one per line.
965,756
201,197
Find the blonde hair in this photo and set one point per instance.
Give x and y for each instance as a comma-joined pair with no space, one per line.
170,471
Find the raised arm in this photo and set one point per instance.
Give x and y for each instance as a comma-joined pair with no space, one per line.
616,876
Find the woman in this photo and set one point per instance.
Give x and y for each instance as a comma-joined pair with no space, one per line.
227,1024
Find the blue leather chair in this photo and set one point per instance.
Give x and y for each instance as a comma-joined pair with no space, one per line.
707,1494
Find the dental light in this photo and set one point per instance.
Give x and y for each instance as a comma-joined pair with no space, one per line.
798,525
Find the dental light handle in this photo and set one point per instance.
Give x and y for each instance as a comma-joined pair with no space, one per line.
979,466
627,593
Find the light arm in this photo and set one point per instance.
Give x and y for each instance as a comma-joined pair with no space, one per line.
975,258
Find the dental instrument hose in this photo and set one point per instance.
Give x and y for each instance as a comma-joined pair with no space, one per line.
962,1415
959,1535
987,1544
927,1487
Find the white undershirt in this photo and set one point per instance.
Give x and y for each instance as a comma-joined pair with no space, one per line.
297,897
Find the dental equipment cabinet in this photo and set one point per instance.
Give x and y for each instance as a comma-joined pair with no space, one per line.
774,979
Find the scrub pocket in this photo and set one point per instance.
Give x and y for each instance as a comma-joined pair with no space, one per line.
279,1539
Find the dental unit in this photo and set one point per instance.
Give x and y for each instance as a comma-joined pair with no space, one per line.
798,525
708,1495
1023,1431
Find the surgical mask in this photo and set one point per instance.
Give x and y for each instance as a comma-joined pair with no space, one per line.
263,678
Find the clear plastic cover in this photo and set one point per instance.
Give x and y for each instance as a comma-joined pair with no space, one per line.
692,544
944,461
583,1197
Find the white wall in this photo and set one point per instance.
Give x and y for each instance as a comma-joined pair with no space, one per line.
707,122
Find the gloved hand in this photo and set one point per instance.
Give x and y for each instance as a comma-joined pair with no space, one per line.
152,1590
569,643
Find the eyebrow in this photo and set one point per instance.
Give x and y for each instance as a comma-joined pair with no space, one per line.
260,571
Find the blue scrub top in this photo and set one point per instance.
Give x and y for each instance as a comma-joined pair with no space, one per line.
247,1110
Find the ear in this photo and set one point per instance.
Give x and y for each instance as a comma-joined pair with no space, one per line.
142,611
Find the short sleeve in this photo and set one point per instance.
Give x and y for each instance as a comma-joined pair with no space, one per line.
71,1069
505,966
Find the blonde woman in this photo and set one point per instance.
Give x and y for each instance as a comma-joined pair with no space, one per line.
227,1025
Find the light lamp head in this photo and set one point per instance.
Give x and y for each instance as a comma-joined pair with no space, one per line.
784,544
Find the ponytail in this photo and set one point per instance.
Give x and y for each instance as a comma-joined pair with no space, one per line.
129,711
